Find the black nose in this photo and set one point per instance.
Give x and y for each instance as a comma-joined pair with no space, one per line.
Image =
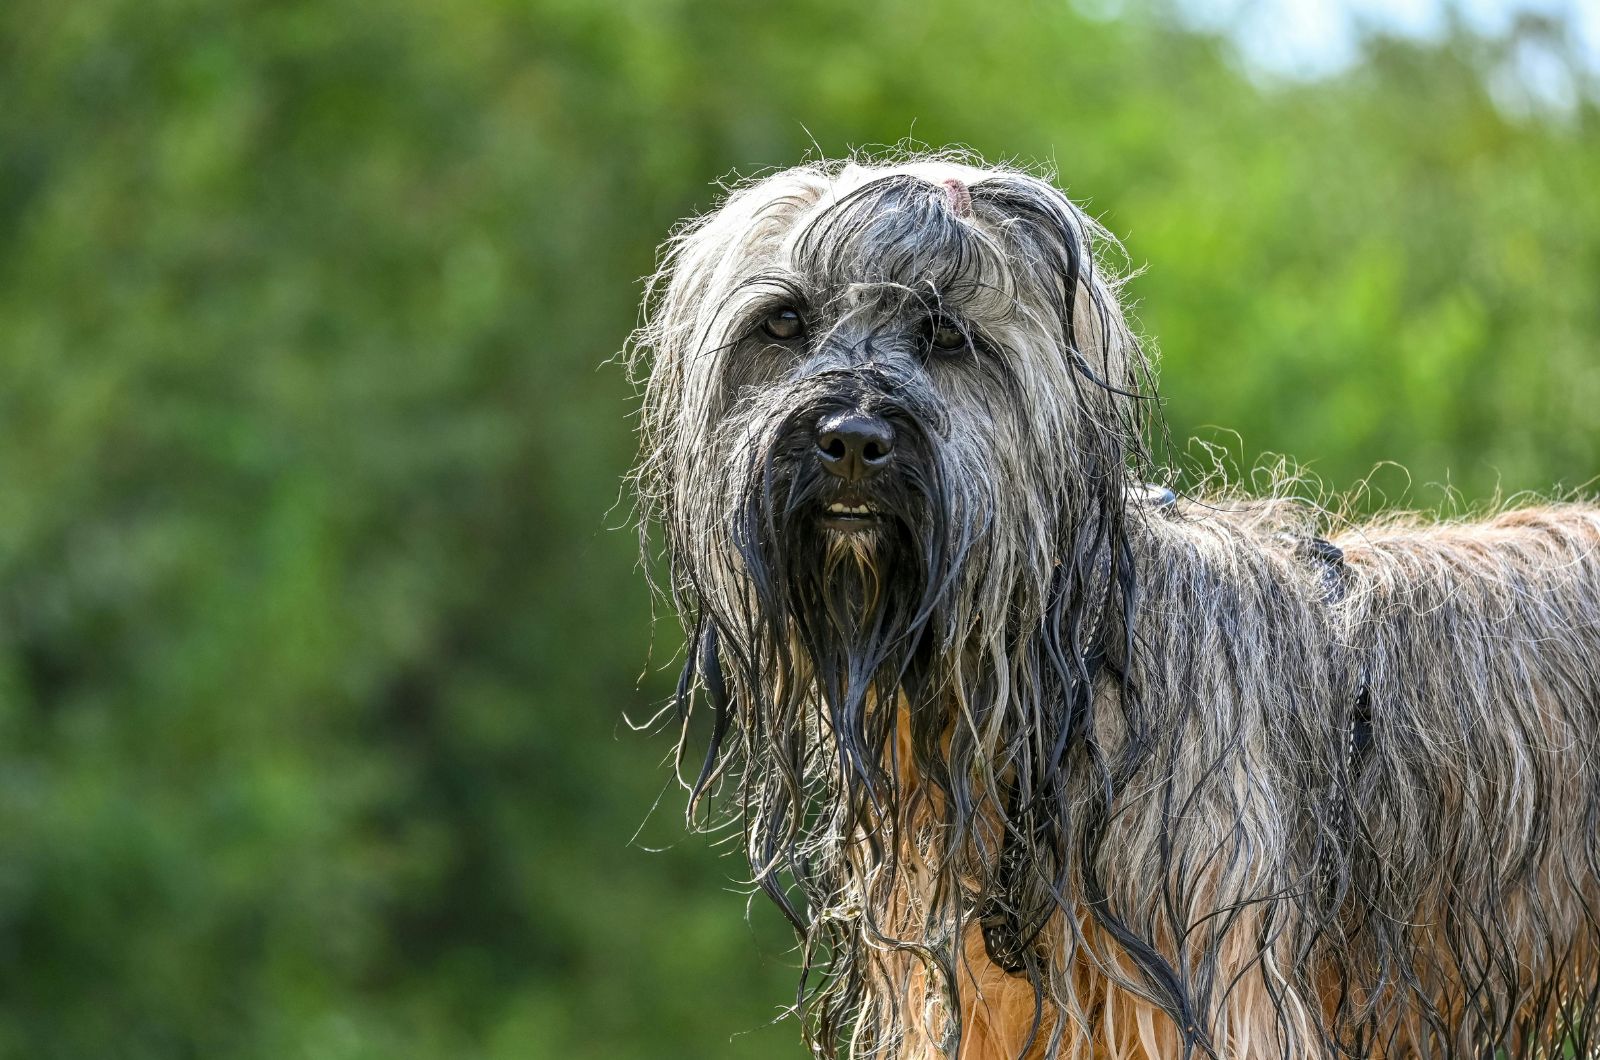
854,445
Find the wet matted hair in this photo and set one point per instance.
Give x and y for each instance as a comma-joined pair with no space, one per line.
1041,761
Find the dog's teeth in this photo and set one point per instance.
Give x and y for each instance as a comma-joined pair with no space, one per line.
837,507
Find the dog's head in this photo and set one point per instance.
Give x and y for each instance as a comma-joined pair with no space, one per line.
888,419
880,396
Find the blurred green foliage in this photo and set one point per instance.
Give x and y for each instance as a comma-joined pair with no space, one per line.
315,627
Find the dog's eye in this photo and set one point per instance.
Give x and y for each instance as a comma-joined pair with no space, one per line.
945,337
784,324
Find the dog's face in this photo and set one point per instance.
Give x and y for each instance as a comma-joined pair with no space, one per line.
872,393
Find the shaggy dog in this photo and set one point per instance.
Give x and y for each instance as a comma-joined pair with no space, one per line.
1042,762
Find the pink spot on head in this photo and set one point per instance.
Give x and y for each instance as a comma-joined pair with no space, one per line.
960,197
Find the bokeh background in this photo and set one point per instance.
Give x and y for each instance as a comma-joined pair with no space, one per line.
318,610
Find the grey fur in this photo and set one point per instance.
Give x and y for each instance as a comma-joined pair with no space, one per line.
1039,770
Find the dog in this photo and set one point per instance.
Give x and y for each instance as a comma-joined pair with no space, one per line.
1043,761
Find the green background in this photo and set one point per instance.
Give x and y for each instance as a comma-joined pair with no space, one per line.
318,610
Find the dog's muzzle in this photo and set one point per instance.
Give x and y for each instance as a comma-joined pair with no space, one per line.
853,447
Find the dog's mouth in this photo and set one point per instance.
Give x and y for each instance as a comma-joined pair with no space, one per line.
849,514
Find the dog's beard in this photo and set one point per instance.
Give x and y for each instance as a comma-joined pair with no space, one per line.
852,617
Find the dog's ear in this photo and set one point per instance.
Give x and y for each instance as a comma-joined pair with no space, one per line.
706,256
1066,251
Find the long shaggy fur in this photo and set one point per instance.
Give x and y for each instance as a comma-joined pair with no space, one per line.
1037,768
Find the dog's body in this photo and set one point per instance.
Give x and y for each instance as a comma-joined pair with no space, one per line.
1041,763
